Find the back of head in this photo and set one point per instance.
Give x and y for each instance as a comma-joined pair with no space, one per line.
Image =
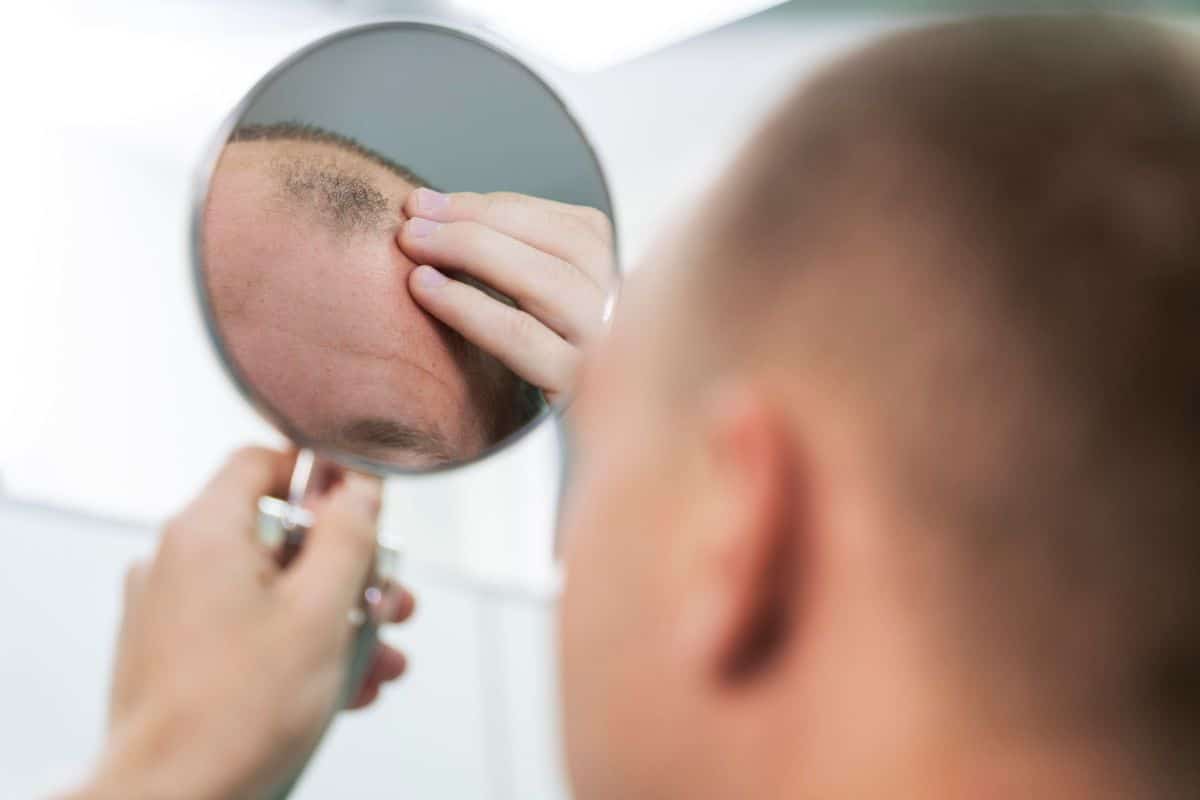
988,234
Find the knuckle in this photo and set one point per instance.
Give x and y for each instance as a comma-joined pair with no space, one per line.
491,204
598,222
500,200
561,277
468,203
505,207
522,326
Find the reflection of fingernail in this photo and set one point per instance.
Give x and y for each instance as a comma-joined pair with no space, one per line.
429,278
430,200
419,227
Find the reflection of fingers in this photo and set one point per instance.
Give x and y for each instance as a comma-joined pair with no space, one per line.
580,235
546,286
516,338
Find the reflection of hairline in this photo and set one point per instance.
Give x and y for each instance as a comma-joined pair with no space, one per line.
351,203
344,200
300,132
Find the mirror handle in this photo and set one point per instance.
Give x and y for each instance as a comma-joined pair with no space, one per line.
282,527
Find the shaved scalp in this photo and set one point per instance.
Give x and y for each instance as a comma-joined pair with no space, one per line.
986,237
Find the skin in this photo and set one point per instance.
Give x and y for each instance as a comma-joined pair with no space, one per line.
739,619
279,289
333,326
209,618
745,614
554,260
321,321
751,526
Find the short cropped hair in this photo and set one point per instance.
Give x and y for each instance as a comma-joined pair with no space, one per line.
344,200
990,230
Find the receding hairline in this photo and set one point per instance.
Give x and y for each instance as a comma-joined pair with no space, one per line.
349,202
348,189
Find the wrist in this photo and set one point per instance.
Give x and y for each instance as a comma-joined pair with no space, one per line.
132,767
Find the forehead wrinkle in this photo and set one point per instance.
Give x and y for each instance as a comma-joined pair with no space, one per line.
372,354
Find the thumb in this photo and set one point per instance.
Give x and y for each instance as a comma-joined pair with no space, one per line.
333,564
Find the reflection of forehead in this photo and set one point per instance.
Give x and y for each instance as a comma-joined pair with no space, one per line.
343,199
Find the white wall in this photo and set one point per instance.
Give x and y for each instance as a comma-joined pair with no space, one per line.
60,581
112,407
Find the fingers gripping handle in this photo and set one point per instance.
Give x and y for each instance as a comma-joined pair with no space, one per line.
282,528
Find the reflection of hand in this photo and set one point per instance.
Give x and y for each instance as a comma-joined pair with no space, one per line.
553,260
228,667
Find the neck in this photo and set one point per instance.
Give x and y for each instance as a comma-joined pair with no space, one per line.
879,710
974,766
919,746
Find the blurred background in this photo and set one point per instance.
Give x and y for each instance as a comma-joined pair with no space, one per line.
113,408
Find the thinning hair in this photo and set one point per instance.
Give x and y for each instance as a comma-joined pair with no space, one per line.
350,202
344,198
988,234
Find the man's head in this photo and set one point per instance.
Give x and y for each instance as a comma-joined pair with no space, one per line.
888,478
309,289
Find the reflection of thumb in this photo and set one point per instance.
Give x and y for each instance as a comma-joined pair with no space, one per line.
336,557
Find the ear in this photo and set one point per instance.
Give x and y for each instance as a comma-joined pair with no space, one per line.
740,603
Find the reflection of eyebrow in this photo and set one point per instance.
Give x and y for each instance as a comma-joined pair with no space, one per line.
393,434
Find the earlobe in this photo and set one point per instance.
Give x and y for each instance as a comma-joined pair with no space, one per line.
748,578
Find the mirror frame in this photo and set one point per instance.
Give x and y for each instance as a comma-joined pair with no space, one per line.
203,179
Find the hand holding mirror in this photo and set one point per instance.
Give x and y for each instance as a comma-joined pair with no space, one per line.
401,247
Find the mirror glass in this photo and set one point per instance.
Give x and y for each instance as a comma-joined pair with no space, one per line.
402,247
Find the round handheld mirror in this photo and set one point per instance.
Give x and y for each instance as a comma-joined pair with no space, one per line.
401,246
